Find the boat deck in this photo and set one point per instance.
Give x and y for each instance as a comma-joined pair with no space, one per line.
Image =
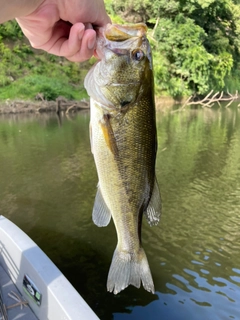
12,304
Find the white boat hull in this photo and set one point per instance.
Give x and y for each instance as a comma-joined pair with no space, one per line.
49,294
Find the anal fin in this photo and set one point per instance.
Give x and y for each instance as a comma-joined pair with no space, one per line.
101,215
153,211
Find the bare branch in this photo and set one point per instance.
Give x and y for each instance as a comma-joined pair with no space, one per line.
69,108
210,99
229,103
155,27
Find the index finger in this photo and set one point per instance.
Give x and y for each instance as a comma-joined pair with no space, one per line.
93,12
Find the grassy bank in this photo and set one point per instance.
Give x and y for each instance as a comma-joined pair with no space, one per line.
25,72
27,88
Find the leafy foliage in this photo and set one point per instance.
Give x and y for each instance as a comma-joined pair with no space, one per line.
30,85
196,44
196,48
24,72
187,60
10,30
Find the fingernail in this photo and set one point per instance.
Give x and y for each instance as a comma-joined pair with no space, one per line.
91,43
80,33
88,26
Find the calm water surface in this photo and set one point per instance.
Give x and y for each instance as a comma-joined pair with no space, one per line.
48,184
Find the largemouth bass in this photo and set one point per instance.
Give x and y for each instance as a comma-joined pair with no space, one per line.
124,145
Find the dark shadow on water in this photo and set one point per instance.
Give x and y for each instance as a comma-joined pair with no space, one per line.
87,269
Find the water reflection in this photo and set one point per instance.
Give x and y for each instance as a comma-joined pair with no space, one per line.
48,183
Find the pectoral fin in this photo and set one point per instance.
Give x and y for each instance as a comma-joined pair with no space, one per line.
101,215
109,134
153,211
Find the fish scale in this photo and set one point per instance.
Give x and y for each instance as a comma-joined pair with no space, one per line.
123,143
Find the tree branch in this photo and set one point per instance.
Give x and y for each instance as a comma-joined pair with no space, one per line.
209,100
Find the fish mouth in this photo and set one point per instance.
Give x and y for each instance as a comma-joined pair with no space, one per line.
118,33
115,32
118,38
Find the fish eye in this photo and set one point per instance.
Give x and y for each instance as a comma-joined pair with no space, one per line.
138,54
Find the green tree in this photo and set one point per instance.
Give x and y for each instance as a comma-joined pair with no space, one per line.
195,45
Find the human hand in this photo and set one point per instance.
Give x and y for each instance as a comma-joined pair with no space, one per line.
65,27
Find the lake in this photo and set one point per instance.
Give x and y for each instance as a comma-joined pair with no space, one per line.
48,184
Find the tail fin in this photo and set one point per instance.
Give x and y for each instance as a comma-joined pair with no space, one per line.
129,268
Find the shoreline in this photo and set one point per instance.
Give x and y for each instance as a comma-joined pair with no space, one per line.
63,105
59,105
